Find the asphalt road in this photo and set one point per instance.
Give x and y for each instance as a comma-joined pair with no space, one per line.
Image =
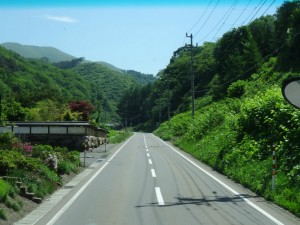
146,181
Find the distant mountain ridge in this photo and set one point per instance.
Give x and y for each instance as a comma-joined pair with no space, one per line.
54,55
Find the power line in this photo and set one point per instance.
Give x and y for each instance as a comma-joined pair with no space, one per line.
258,11
241,14
269,7
200,17
207,18
216,24
253,11
227,16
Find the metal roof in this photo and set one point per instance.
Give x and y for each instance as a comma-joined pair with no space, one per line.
57,123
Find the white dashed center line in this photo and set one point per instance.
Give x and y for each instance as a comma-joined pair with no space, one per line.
159,197
150,161
153,173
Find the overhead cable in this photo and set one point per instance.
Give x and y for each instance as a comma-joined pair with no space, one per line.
241,14
200,18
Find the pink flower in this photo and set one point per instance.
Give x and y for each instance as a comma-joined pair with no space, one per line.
27,147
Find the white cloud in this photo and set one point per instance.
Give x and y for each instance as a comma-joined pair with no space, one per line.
63,19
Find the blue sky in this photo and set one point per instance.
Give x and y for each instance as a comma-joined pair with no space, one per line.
139,35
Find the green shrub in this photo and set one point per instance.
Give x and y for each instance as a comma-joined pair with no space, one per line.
236,89
42,151
66,167
6,140
10,203
236,137
118,136
4,189
3,214
176,127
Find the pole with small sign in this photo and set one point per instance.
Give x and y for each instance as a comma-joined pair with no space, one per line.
273,167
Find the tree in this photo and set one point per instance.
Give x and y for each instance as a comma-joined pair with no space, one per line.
288,35
237,56
13,111
83,107
263,32
69,64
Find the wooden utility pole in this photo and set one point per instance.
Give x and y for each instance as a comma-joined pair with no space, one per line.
192,75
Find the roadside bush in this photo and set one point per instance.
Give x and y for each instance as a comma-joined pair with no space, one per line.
118,136
236,137
3,215
176,127
268,120
66,167
31,171
10,203
236,89
4,190
6,140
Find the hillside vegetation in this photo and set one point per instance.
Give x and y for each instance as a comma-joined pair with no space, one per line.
36,90
240,114
41,84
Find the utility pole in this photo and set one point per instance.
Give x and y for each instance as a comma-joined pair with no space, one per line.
169,104
0,109
126,107
192,75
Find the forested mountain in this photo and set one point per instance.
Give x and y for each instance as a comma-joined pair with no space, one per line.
29,87
140,77
50,54
105,83
111,82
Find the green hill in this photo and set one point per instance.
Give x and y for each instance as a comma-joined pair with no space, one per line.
34,85
140,77
112,83
28,51
106,83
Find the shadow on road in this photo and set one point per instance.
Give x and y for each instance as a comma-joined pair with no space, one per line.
200,201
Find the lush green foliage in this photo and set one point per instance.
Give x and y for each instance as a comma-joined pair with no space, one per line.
32,88
236,137
4,189
110,85
118,136
141,78
35,166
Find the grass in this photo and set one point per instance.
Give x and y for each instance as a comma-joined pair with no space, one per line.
116,137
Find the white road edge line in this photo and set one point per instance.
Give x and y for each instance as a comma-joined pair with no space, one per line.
159,197
58,215
225,185
153,173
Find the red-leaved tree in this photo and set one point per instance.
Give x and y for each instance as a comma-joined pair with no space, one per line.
83,107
